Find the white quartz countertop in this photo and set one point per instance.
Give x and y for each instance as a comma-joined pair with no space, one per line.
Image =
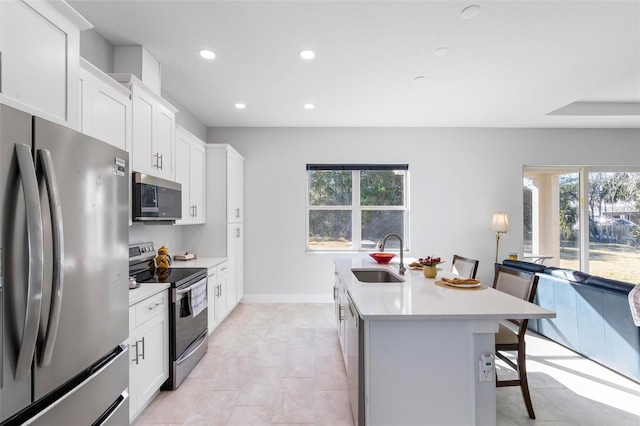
144,291
200,262
420,298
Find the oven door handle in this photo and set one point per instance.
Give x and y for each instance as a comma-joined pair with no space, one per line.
202,339
188,289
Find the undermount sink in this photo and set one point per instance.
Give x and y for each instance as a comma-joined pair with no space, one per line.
368,275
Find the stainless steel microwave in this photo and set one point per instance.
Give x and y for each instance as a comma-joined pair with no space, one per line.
155,199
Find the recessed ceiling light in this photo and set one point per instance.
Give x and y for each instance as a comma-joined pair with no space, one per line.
240,106
207,54
309,106
307,54
441,51
470,12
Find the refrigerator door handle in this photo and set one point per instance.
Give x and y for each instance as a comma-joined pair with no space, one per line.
35,237
57,284
104,418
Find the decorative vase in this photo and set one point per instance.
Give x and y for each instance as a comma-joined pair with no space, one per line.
430,271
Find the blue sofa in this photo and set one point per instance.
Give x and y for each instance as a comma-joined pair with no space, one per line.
592,316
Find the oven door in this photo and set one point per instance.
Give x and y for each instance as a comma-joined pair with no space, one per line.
187,327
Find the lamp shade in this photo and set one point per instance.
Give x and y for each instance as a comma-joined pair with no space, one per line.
500,222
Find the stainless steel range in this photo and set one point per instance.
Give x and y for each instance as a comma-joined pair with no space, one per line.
187,323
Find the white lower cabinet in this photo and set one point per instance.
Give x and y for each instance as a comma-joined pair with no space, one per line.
212,298
226,293
340,304
148,350
221,299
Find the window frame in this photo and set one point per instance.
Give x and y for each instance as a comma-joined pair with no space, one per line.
355,207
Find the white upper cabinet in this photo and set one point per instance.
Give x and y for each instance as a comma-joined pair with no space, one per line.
164,140
105,107
235,187
225,188
153,129
191,174
197,183
40,45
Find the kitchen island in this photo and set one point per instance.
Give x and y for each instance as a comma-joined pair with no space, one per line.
412,349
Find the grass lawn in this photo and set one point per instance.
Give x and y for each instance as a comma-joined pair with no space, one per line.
615,261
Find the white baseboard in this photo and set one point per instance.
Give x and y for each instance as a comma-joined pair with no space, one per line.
287,298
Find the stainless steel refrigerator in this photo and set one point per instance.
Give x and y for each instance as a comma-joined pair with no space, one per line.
63,275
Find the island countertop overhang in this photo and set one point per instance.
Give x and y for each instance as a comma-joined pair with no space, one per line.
419,298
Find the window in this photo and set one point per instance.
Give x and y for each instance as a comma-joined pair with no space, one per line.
557,202
352,207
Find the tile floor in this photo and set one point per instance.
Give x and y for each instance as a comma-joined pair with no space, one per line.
280,364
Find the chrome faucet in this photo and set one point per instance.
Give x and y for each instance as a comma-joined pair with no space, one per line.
384,241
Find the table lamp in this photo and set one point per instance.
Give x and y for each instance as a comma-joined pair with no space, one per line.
500,224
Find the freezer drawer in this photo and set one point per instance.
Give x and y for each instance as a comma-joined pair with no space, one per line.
102,396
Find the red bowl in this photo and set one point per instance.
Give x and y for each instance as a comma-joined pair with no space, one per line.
382,257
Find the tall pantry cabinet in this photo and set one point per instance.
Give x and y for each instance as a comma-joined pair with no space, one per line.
223,234
235,221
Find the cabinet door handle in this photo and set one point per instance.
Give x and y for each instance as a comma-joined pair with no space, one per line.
341,313
237,232
196,210
161,162
238,212
335,293
156,162
136,358
142,347
152,307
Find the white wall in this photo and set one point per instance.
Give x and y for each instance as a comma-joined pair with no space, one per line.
167,235
185,119
459,178
97,50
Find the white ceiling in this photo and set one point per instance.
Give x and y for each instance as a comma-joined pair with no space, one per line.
511,66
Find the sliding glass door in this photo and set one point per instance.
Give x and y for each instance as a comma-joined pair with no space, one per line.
614,215
584,219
